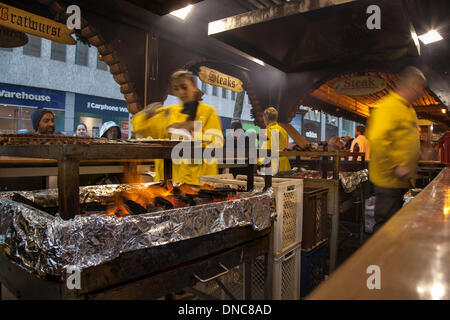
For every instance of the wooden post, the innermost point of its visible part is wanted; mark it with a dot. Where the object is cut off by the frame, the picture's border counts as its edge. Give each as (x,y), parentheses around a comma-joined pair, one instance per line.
(267,182)
(251,177)
(336,168)
(68,188)
(167,169)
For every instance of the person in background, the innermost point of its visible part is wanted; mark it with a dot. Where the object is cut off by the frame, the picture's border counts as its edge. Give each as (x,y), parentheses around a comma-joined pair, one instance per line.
(157,122)
(360,143)
(395,146)
(81,130)
(270,117)
(236,126)
(348,142)
(110,130)
(335,144)
(43,121)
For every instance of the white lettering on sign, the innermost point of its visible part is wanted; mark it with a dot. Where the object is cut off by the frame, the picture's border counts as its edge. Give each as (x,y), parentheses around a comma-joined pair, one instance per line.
(73,278)
(74,21)
(92,105)
(374,20)
(311,134)
(374,281)
(24,96)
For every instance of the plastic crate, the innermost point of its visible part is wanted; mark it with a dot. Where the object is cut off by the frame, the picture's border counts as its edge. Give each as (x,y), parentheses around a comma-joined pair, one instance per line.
(315,219)
(287,203)
(285,278)
(314,268)
(286,275)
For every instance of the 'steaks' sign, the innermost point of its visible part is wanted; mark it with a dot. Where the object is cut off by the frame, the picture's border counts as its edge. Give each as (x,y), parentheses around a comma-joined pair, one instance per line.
(359,86)
(24,21)
(216,78)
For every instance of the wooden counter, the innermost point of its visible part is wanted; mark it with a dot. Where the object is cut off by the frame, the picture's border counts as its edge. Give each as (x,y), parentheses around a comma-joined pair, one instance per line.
(412,251)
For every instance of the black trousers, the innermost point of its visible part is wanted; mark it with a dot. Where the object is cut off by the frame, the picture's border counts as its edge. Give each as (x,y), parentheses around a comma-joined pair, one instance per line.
(387,202)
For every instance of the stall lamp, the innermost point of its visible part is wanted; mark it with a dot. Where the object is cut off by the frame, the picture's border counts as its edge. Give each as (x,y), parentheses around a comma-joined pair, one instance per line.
(216,27)
(259,61)
(182,13)
(430,37)
(444,110)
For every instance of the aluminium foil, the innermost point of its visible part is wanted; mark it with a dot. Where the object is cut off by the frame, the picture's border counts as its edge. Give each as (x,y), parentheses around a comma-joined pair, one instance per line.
(47,245)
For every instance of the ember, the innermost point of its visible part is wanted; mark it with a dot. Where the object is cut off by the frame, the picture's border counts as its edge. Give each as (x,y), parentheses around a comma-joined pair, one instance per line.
(166,196)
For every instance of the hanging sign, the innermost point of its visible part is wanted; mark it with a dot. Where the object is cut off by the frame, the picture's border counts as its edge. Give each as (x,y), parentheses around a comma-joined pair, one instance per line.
(216,78)
(12,39)
(27,22)
(359,86)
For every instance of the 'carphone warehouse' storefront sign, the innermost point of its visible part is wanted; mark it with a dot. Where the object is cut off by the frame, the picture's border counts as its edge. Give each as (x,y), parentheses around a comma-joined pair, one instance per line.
(33,97)
(90,104)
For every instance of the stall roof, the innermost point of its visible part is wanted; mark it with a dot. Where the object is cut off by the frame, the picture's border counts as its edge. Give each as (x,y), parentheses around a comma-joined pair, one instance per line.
(361,104)
(332,36)
(302,35)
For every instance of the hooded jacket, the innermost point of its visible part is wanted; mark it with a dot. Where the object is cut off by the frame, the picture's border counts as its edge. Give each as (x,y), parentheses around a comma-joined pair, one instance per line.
(156,127)
(394,140)
(108,125)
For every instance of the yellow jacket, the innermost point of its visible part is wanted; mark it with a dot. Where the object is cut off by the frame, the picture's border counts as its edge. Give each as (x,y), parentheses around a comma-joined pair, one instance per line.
(393,135)
(283,143)
(155,127)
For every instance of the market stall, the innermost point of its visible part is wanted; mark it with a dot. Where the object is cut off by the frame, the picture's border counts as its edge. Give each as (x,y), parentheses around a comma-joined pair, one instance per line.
(151,250)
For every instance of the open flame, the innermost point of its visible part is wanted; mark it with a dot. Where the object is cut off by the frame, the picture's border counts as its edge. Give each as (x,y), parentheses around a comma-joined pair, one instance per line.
(164,195)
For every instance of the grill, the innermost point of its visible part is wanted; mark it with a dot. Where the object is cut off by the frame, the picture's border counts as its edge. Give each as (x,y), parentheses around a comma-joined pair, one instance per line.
(139,255)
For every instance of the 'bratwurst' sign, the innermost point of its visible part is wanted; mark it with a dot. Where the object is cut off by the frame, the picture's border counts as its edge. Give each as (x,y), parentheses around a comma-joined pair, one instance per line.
(24,21)
(359,86)
(216,78)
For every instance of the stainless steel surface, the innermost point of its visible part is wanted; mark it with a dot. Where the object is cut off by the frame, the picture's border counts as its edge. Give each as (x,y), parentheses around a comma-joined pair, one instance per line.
(412,251)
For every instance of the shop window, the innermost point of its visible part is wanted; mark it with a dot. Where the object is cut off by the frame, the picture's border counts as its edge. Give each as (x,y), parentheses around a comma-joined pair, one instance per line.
(101,64)
(8,119)
(233,95)
(214,91)
(6,49)
(347,128)
(204,88)
(313,115)
(58,51)
(33,47)
(224,93)
(82,54)
(332,120)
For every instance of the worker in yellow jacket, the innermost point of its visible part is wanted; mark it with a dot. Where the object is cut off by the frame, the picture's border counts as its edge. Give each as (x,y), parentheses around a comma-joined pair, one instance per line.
(270,117)
(157,122)
(394,142)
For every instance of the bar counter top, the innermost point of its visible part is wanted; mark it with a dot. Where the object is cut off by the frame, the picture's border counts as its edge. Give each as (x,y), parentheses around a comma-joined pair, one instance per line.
(412,251)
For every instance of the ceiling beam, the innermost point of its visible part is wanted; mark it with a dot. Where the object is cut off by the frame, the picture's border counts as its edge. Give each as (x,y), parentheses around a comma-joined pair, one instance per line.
(276,12)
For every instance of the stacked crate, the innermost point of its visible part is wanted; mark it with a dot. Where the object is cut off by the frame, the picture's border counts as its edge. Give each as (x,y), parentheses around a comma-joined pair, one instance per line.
(315,239)
(285,247)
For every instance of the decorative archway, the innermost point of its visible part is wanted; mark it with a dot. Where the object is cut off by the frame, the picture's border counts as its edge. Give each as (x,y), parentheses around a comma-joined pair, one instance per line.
(108,54)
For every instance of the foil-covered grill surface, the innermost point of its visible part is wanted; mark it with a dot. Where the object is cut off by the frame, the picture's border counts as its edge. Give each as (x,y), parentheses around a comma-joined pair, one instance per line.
(349,180)
(47,245)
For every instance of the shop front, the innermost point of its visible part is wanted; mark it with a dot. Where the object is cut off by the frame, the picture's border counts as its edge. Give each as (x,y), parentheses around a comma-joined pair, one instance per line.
(94,111)
(311,130)
(18,102)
